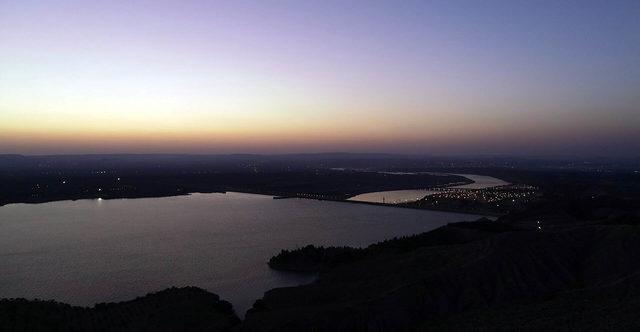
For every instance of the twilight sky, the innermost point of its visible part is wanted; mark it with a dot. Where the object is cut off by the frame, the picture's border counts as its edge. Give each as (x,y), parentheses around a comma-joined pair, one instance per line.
(518,77)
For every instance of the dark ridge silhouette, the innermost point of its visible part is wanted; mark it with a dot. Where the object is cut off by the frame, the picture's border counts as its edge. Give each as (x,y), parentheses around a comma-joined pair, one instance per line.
(316,259)
(484,275)
(174,309)
(470,276)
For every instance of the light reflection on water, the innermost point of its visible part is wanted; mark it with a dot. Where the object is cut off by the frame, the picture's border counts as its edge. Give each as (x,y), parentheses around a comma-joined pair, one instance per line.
(88,251)
(403,196)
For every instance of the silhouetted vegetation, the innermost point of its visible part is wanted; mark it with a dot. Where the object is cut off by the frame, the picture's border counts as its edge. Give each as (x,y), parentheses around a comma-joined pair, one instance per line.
(174,309)
(313,259)
(316,259)
(490,275)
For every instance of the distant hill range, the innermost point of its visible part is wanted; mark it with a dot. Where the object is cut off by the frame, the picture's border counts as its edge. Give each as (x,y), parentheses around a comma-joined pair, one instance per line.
(321,160)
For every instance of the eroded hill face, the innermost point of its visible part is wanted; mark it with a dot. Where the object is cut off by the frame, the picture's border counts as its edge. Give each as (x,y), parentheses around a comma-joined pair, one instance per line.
(576,277)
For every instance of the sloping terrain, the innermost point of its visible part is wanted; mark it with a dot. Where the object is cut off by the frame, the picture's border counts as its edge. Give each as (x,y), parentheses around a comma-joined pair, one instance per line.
(464,276)
(579,277)
(174,309)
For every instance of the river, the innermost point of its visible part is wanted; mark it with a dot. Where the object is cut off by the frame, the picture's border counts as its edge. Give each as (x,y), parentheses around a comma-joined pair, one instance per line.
(403,196)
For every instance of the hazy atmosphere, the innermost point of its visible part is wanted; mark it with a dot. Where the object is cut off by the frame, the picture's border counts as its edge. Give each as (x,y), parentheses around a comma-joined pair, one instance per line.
(517,77)
(327,166)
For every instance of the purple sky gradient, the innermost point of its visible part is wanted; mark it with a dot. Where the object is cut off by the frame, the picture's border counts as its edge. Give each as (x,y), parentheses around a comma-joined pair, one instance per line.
(543,77)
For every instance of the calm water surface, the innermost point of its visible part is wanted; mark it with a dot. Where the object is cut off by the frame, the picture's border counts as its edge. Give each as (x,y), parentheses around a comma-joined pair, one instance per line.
(393,196)
(481,182)
(403,196)
(89,251)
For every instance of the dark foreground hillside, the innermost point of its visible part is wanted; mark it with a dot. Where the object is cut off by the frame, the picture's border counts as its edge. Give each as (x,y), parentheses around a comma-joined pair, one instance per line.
(484,275)
(583,277)
(174,309)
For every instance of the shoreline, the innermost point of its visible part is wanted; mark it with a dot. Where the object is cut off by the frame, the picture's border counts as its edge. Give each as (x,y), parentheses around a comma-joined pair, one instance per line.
(443,209)
(278,196)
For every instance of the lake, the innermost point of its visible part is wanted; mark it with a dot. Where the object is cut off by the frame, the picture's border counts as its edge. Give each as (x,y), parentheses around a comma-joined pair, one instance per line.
(88,251)
(404,196)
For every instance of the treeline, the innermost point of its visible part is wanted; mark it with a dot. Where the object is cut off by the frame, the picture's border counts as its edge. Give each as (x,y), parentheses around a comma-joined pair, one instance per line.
(313,259)
(316,259)
(173,309)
